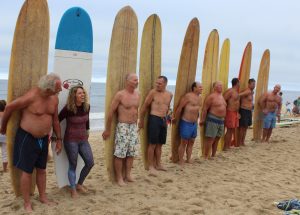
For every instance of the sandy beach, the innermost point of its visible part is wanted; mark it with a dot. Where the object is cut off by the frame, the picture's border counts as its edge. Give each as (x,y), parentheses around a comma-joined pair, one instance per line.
(244,180)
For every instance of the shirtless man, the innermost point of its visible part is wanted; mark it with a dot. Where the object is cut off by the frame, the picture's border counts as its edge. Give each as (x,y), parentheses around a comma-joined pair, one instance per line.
(190,103)
(246,106)
(38,116)
(213,114)
(270,104)
(125,103)
(232,99)
(159,101)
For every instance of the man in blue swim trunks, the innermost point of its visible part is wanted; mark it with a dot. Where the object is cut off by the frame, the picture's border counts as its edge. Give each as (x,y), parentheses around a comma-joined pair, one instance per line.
(39,115)
(271,105)
(213,115)
(188,111)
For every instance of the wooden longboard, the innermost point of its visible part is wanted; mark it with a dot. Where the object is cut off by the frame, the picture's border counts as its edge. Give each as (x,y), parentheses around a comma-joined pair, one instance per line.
(261,88)
(150,69)
(223,75)
(73,63)
(209,73)
(245,67)
(28,63)
(185,76)
(122,60)
(244,75)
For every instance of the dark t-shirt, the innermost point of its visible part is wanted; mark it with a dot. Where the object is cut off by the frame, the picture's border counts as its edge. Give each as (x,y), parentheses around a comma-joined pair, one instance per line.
(77,124)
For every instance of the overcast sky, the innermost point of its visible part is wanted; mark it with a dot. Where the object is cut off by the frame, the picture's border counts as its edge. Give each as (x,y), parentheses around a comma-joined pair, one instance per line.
(268,24)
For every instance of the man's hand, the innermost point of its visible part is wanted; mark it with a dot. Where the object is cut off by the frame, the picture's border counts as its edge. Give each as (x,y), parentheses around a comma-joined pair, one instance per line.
(58,146)
(105,134)
(265,111)
(201,123)
(141,124)
(3,130)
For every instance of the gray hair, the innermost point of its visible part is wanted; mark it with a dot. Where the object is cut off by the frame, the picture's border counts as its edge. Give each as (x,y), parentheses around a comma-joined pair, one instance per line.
(48,82)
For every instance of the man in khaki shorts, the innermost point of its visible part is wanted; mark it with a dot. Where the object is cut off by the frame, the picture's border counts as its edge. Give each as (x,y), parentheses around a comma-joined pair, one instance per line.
(213,114)
(125,103)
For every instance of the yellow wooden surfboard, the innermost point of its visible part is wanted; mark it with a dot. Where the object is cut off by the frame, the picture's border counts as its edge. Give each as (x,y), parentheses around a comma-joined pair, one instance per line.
(209,72)
(121,61)
(245,67)
(28,62)
(150,69)
(244,76)
(185,76)
(223,75)
(261,88)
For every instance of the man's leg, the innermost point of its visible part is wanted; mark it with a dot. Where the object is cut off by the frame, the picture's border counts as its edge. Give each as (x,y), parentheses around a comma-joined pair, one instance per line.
(41,185)
(228,138)
(208,141)
(269,133)
(181,150)
(189,150)
(215,146)
(129,163)
(118,170)
(157,152)
(151,149)
(265,134)
(25,189)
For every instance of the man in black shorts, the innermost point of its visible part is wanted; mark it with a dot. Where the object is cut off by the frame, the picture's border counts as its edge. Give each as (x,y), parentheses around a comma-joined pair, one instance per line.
(159,101)
(246,106)
(39,115)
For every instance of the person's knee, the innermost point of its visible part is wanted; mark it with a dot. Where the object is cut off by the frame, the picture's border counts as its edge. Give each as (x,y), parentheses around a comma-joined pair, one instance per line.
(90,164)
(40,171)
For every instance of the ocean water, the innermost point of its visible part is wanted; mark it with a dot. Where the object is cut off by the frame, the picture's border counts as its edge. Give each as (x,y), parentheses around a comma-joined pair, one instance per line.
(97,101)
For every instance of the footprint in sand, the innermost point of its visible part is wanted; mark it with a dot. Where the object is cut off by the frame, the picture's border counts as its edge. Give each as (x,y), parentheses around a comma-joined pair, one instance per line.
(168,180)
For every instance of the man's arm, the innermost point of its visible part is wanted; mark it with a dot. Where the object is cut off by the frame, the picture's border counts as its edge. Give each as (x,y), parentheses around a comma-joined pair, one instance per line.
(17,104)
(56,129)
(182,103)
(227,94)
(262,102)
(144,107)
(206,106)
(245,93)
(114,105)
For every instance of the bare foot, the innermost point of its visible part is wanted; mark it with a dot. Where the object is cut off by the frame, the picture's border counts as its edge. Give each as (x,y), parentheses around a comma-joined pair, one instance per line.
(161,168)
(190,161)
(152,171)
(130,179)
(81,188)
(74,194)
(28,207)
(181,162)
(48,202)
(121,183)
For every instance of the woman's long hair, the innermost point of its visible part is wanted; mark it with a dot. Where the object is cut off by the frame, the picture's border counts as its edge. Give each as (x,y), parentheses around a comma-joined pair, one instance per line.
(71,102)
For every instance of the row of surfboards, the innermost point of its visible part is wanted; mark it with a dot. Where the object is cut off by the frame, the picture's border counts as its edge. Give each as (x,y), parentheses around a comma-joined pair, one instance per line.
(73,62)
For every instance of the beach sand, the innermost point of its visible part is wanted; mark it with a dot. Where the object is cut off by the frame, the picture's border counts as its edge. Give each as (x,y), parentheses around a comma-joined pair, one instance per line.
(245,180)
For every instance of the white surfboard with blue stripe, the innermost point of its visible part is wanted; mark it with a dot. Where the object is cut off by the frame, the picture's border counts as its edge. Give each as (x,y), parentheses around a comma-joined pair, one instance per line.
(73,63)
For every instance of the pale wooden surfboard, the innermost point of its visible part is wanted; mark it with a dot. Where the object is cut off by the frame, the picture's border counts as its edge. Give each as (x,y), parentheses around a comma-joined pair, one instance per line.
(244,76)
(209,73)
(150,69)
(185,76)
(245,67)
(223,75)
(261,88)
(28,62)
(122,60)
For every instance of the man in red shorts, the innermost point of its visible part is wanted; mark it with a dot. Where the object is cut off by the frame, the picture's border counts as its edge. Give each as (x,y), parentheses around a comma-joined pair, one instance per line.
(232,99)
